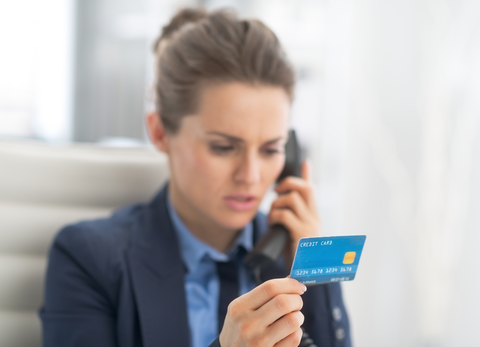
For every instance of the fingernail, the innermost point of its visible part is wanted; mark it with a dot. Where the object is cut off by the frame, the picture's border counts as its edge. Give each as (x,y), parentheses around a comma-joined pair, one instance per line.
(304,288)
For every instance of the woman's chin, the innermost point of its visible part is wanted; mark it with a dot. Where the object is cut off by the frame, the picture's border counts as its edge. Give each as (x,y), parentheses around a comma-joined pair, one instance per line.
(237,220)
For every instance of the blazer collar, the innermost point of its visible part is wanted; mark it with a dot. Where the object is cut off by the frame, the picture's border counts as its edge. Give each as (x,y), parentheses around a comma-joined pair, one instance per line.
(155,239)
(157,274)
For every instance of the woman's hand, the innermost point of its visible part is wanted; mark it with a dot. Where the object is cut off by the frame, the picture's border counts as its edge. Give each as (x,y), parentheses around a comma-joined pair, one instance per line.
(295,209)
(267,316)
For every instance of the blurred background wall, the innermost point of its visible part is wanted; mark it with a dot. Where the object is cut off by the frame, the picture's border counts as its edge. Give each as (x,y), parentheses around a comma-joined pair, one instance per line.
(387,107)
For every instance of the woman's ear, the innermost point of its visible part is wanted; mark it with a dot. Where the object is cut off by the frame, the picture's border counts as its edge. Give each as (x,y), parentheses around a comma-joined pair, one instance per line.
(156,132)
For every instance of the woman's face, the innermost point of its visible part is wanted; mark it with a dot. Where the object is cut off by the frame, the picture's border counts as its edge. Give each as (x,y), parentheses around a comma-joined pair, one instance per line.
(224,158)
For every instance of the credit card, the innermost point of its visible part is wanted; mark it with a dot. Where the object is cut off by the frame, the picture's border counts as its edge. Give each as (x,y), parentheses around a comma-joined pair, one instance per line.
(327,259)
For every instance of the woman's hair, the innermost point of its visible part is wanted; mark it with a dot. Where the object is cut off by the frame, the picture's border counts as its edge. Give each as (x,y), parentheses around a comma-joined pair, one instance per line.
(198,48)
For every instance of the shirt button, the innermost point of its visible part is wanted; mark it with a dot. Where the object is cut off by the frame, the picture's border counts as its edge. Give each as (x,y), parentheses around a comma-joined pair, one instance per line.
(337,313)
(340,334)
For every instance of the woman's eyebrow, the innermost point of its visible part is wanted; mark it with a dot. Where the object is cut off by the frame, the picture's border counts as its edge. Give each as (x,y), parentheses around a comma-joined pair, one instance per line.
(230,137)
(238,139)
(273,141)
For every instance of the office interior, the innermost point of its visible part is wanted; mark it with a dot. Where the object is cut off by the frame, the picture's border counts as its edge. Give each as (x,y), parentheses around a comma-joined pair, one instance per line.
(387,108)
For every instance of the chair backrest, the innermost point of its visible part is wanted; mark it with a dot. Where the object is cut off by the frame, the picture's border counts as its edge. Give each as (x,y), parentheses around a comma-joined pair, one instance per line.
(42,188)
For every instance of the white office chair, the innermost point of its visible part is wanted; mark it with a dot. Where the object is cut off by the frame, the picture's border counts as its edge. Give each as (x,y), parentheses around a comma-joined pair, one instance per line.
(42,188)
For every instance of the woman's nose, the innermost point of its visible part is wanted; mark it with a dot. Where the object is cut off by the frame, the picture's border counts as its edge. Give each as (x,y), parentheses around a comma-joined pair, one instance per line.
(248,170)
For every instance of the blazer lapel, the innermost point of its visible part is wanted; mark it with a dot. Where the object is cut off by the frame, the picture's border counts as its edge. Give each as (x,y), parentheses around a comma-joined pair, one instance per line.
(157,274)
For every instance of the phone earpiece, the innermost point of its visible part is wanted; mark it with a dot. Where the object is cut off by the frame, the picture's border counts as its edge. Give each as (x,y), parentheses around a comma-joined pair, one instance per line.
(293,162)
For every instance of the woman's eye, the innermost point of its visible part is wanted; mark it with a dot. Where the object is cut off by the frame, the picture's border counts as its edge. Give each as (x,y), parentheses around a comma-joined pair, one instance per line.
(271,151)
(222,149)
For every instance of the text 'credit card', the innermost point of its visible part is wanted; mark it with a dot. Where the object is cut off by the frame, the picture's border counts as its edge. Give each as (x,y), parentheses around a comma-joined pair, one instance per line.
(327,259)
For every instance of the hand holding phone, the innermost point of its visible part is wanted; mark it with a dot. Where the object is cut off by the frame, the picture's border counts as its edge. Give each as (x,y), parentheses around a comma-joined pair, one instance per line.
(295,209)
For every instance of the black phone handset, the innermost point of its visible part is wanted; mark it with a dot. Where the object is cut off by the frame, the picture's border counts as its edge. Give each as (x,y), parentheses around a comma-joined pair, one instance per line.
(270,247)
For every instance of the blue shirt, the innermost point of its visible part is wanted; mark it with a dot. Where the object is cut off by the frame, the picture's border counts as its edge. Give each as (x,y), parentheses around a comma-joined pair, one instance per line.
(202,285)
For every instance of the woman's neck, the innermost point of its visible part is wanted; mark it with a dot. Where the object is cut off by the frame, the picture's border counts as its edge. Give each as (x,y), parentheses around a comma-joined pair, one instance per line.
(200,225)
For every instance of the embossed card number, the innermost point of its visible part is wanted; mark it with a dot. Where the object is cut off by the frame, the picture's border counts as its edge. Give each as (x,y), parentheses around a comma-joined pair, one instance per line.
(327,259)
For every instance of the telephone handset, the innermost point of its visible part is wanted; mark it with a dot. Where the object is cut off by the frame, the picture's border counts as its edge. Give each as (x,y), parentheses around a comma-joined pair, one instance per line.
(270,247)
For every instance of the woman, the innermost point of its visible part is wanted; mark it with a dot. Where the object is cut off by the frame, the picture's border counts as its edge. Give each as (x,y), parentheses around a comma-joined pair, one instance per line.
(160,274)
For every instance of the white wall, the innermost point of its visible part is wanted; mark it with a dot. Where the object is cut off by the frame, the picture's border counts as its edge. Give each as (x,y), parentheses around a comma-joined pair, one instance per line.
(412,168)
(36,56)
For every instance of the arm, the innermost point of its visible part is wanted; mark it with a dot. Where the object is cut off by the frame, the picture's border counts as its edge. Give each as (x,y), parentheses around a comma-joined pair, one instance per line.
(76,311)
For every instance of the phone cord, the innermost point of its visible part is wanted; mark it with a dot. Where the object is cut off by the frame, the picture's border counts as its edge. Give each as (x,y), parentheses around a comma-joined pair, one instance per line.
(306,341)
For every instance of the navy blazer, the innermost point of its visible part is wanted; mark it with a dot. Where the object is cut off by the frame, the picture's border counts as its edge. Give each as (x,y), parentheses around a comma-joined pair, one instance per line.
(119,282)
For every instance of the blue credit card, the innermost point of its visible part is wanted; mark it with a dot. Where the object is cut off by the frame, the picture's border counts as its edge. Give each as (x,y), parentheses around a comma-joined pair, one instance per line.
(327,259)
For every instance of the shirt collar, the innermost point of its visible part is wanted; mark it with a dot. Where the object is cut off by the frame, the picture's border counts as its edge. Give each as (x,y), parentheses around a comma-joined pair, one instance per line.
(193,250)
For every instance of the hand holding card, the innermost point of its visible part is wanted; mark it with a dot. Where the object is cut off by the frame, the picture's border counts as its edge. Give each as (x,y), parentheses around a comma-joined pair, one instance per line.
(327,259)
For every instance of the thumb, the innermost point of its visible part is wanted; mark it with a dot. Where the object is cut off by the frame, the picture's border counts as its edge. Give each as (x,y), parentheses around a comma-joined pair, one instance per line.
(306,170)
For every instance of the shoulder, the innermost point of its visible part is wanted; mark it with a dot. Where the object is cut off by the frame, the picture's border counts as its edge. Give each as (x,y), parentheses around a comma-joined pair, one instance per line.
(97,246)
(110,231)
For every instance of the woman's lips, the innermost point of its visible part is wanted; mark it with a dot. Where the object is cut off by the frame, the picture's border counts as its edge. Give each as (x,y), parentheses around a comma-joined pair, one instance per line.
(240,202)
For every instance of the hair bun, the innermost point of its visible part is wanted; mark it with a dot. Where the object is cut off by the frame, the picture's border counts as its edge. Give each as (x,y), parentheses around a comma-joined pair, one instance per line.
(185,16)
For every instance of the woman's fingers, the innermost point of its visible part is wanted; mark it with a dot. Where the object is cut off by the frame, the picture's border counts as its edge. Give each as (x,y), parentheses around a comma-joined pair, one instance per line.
(286,218)
(265,315)
(285,326)
(279,306)
(268,290)
(307,170)
(292,340)
(293,201)
(300,185)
